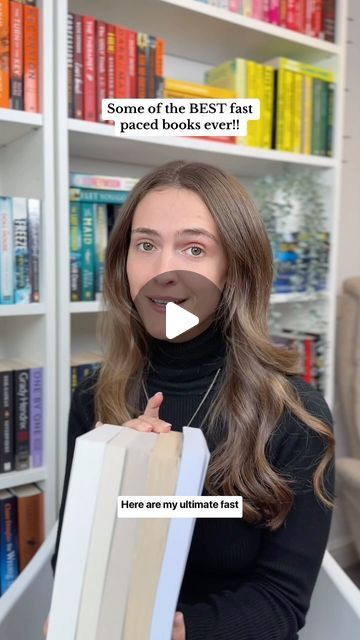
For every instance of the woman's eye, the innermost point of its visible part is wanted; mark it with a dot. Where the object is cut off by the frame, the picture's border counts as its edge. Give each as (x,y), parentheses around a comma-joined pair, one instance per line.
(196,251)
(145,246)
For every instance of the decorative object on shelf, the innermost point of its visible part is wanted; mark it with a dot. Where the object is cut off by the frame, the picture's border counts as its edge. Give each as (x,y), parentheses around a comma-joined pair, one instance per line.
(293,207)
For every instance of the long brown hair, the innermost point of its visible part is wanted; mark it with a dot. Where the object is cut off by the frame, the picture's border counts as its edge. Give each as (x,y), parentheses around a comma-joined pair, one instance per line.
(254,390)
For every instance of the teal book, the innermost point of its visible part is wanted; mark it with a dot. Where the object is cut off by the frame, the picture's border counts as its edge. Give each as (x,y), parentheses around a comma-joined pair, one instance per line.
(88,218)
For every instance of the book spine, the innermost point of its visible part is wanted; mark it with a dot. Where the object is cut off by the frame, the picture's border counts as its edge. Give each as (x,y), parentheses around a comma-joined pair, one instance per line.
(132,62)
(275,12)
(307,114)
(78,68)
(16,55)
(36,416)
(297,112)
(268,100)
(316,120)
(101,240)
(324,118)
(74,378)
(280,108)
(34,217)
(283,13)
(101,66)
(110,60)
(316,18)
(9,552)
(6,252)
(159,68)
(31,59)
(121,64)
(89,82)
(98,196)
(21,252)
(6,422)
(329,9)
(88,251)
(21,418)
(75,252)
(142,48)
(30,517)
(4,54)
(101,182)
(257,9)
(150,68)
(330,119)
(70,64)
(288,110)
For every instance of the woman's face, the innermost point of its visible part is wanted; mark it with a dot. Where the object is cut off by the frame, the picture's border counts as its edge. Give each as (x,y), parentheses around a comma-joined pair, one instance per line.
(175,253)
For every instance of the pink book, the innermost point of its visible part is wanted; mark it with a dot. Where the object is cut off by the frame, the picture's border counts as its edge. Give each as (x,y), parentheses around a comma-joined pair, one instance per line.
(275,11)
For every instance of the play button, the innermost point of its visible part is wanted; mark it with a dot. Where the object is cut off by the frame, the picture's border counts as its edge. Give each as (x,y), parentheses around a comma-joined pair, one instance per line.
(174,305)
(178,320)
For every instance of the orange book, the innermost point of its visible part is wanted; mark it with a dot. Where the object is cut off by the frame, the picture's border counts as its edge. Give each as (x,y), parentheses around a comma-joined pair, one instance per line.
(31,59)
(159,68)
(16,55)
(30,521)
(4,54)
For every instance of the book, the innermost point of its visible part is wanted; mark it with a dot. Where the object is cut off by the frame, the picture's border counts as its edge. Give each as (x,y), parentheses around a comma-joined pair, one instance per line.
(30,521)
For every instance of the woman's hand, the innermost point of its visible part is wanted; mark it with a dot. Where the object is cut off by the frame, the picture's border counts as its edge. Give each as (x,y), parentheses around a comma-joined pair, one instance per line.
(178,632)
(149,420)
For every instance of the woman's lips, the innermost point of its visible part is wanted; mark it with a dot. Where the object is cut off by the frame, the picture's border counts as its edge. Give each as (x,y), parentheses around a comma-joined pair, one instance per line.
(159,304)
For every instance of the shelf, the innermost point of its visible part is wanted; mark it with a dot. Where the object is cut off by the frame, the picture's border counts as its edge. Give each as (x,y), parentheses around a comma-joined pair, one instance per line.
(98,141)
(95,305)
(16,124)
(33,309)
(16,478)
(213,35)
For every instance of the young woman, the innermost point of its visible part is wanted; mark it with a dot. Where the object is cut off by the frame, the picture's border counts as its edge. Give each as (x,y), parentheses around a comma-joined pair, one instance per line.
(269,432)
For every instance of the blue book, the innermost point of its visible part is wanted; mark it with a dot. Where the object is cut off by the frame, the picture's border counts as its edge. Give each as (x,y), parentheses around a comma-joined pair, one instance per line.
(9,548)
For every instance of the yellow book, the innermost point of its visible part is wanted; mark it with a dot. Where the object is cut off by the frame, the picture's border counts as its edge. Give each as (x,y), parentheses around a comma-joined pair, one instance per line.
(307,107)
(253,128)
(192,89)
(297,80)
(288,113)
(267,107)
(302,67)
(231,75)
(186,94)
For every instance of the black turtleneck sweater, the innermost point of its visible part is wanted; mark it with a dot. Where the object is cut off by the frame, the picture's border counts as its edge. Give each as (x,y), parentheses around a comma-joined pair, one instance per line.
(241,582)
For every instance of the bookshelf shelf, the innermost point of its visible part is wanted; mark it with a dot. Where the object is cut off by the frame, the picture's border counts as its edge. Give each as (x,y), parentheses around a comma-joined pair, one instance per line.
(16,124)
(35,309)
(98,141)
(212,34)
(16,478)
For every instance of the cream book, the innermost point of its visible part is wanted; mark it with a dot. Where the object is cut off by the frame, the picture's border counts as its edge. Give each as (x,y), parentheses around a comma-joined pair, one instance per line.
(83,494)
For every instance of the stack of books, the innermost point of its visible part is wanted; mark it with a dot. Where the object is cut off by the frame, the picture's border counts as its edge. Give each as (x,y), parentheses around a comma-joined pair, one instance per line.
(121,577)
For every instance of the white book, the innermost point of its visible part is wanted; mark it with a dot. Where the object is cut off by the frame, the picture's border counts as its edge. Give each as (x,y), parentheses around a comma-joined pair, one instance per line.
(193,467)
(82,496)
(124,541)
(102,532)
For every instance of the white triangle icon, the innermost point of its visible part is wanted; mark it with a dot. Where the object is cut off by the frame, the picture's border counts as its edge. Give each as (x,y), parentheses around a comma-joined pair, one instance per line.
(178,320)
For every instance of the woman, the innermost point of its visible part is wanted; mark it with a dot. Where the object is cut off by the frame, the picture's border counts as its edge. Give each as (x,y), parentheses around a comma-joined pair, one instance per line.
(269,432)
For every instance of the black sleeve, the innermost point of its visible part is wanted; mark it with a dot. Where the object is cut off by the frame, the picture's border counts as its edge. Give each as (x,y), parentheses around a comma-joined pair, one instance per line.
(273,602)
(81,420)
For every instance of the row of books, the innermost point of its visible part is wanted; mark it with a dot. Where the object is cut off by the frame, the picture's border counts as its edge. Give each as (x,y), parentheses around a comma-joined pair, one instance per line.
(83,365)
(19,250)
(114,567)
(296,267)
(296,102)
(311,347)
(315,18)
(93,212)
(19,55)
(21,530)
(109,61)
(21,415)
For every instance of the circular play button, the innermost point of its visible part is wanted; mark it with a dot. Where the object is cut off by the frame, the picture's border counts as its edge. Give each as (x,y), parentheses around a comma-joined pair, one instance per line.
(177,305)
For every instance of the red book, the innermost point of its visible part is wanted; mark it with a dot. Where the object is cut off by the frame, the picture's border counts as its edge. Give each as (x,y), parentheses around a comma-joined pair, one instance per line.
(110,60)
(296,15)
(122,89)
(316,18)
(16,55)
(31,59)
(329,9)
(89,68)
(78,68)
(283,13)
(101,83)
(159,68)
(132,62)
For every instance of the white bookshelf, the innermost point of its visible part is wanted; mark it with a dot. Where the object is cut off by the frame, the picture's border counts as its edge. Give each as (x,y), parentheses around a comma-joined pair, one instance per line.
(197,36)
(28,331)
